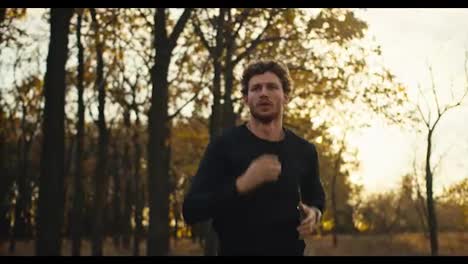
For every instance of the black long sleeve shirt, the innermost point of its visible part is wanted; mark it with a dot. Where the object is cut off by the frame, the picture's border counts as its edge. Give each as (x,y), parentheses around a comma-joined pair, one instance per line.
(264,221)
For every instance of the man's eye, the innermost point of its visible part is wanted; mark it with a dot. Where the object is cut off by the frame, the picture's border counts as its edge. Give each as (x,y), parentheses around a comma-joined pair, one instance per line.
(272,86)
(255,88)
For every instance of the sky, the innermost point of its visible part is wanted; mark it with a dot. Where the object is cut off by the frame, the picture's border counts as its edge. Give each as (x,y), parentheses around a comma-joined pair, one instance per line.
(411,40)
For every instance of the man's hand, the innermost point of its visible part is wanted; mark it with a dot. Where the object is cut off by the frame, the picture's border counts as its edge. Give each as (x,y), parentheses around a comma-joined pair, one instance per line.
(311,220)
(265,168)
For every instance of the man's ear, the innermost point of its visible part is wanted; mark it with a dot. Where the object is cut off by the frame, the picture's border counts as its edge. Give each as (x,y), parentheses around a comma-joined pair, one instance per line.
(286,99)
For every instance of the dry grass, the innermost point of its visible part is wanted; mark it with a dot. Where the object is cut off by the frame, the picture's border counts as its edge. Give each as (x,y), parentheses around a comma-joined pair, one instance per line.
(414,244)
(178,248)
(407,244)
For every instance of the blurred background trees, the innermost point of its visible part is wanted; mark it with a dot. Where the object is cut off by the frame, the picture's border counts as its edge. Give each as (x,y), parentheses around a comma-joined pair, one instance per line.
(144,90)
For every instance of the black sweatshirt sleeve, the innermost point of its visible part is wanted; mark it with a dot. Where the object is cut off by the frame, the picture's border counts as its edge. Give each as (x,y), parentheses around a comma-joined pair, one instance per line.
(312,189)
(211,190)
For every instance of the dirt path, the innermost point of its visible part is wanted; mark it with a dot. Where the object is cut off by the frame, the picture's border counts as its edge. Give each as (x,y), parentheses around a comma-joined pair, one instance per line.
(359,245)
(183,247)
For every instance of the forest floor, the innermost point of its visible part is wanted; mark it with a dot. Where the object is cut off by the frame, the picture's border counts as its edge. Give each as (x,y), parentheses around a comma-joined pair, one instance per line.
(408,244)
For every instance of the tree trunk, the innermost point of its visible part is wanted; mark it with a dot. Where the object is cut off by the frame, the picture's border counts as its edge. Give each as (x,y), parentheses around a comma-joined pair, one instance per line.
(432,219)
(78,197)
(127,214)
(101,167)
(138,219)
(51,179)
(2,15)
(19,224)
(158,161)
(334,211)
(216,110)
(67,184)
(229,119)
(4,180)
(333,195)
(28,190)
(216,122)
(139,199)
(159,131)
(129,189)
(117,215)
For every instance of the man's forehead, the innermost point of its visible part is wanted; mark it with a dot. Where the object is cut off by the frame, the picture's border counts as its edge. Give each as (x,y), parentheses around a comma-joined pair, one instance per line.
(265,78)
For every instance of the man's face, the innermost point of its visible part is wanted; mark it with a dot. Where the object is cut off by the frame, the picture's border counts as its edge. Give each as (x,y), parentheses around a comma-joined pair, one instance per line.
(265,97)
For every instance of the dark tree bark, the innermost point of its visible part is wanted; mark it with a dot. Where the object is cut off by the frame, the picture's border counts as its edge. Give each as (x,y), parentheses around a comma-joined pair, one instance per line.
(159,131)
(139,198)
(78,197)
(51,181)
(101,176)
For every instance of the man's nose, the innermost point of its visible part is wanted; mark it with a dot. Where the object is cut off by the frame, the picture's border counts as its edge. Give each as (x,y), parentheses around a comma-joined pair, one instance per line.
(264,90)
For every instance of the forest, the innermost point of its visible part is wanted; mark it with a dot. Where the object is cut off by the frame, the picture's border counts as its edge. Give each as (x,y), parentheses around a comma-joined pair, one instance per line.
(105,114)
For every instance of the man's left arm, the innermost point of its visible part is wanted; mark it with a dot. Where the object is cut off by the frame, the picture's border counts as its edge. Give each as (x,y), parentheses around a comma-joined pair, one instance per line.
(313,194)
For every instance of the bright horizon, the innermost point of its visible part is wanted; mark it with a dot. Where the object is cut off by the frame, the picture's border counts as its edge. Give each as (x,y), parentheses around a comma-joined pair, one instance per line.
(412,39)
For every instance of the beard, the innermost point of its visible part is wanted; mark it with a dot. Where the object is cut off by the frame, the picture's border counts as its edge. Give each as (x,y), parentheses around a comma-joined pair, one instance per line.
(265,118)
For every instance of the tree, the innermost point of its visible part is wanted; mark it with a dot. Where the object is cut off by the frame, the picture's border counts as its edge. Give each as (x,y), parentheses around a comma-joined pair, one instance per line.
(101,167)
(6,179)
(52,164)
(29,100)
(430,126)
(381,212)
(78,200)
(158,155)
(454,207)
(8,31)
(22,91)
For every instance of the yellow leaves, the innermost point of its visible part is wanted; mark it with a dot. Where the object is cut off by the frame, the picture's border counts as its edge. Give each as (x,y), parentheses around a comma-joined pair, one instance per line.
(328,225)
(322,85)
(145,217)
(132,219)
(319,140)
(179,233)
(362,226)
(17,13)
(458,193)
(119,55)
(290,17)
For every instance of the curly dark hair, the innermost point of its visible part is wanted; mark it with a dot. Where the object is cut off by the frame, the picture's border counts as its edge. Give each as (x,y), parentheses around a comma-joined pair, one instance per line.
(262,66)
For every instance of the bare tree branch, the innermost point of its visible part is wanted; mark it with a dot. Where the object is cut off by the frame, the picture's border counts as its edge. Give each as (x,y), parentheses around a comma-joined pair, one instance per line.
(88,106)
(419,203)
(434,90)
(179,72)
(194,96)
(428,120)
(441,156)
(212,20)
(258,40)
(145,18)
(455,104)
(240,20)
(199,32)
(179,27)
(184,105)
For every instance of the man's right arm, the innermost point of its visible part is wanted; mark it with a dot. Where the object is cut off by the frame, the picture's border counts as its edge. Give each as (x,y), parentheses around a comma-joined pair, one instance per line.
(210,191)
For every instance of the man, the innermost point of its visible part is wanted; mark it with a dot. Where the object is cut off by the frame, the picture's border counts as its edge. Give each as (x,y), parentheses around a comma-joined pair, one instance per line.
(254,177)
